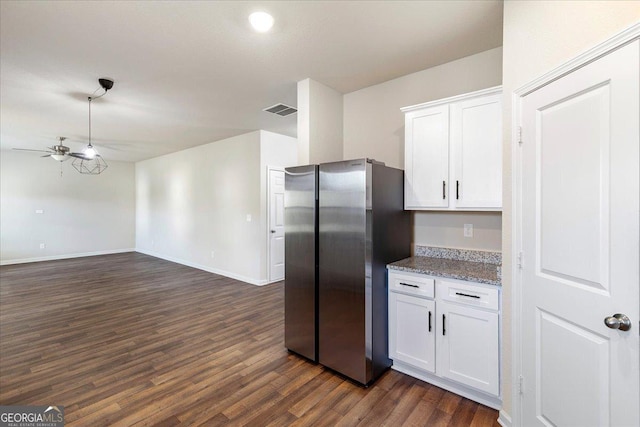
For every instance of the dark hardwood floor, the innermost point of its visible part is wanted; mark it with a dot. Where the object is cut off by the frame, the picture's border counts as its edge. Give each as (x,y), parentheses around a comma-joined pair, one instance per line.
(128,339)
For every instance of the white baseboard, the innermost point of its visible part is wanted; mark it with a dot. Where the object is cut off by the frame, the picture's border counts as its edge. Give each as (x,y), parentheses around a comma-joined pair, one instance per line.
(205,268)
(63,256)
(452,386)
(504,419)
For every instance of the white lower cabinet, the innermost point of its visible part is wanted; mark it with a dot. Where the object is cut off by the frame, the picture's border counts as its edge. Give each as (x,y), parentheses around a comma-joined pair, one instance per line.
(468,347)
(412,338)
(446,332)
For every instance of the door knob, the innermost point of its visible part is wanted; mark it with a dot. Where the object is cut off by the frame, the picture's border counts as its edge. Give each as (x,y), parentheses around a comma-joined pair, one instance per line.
(273,231)
(618,321)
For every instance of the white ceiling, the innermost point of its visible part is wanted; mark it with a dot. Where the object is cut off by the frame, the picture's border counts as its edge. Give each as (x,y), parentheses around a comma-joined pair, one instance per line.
(191,72)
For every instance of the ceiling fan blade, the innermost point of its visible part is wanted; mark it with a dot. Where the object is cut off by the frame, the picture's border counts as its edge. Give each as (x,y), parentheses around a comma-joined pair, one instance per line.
(79,156)
(28,149)
(48,155)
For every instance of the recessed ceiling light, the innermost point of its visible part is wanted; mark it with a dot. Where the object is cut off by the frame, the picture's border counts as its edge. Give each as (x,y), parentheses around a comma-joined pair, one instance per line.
(261,21)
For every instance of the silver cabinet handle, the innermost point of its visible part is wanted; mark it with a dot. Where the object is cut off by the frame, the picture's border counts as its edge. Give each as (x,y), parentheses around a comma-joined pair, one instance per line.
(618,321)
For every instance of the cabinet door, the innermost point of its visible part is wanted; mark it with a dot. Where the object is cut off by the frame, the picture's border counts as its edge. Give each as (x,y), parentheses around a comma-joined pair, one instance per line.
(427,158)
(412,329)
(476,150)
(468,346)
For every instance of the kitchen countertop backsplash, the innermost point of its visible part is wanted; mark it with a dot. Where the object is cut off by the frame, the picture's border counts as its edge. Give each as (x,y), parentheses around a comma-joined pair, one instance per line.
(462,264)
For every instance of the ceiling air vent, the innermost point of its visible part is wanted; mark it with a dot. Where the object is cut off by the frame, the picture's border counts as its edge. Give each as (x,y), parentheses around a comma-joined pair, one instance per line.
(281,110)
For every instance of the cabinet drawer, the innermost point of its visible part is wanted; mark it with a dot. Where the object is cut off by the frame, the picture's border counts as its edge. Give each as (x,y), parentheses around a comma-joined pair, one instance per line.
(412,284)
(469,294)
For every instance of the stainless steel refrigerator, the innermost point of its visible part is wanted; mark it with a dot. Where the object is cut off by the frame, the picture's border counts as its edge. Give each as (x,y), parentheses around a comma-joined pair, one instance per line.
(344,222)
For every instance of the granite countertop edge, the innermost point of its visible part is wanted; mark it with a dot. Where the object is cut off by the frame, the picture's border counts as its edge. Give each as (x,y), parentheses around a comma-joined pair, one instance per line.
(451,269)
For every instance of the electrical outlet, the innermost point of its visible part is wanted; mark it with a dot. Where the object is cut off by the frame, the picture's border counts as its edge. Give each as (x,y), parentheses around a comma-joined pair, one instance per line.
(42,246)
(248,217)
(213,254)
(468,230)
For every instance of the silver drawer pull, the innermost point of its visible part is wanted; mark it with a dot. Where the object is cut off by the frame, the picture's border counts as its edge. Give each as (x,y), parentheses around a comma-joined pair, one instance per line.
(467,295)
(408,284)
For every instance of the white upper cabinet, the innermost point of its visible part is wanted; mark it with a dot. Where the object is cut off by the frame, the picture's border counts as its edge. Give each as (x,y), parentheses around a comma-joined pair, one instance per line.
(427,164)
(453,153)
(476,151)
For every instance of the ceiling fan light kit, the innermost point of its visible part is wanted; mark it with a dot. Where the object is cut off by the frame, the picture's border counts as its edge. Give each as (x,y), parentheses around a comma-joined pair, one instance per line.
(58,152)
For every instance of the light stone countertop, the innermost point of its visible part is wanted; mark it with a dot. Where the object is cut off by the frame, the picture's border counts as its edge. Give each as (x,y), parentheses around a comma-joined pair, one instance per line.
(473,271)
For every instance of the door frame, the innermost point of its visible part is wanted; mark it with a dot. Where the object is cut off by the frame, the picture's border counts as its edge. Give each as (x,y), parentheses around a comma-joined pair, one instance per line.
(623,38)
(268,227)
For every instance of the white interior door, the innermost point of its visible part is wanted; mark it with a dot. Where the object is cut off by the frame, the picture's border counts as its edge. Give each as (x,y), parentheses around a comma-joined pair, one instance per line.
(276,224)
(580,238)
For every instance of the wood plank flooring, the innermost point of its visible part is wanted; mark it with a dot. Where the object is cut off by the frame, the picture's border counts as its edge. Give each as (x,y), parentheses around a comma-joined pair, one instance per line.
(132,340)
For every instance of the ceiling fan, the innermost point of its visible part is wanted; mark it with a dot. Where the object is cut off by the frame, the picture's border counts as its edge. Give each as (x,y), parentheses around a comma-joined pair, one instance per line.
(59,152)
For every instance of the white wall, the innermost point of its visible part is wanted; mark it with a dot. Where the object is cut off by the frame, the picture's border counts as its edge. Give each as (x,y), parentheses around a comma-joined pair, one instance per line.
(320,123)
(445,229)
(304,111)
(196,201)
(83,214)
(374,127)
(539,36)
(373,122)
